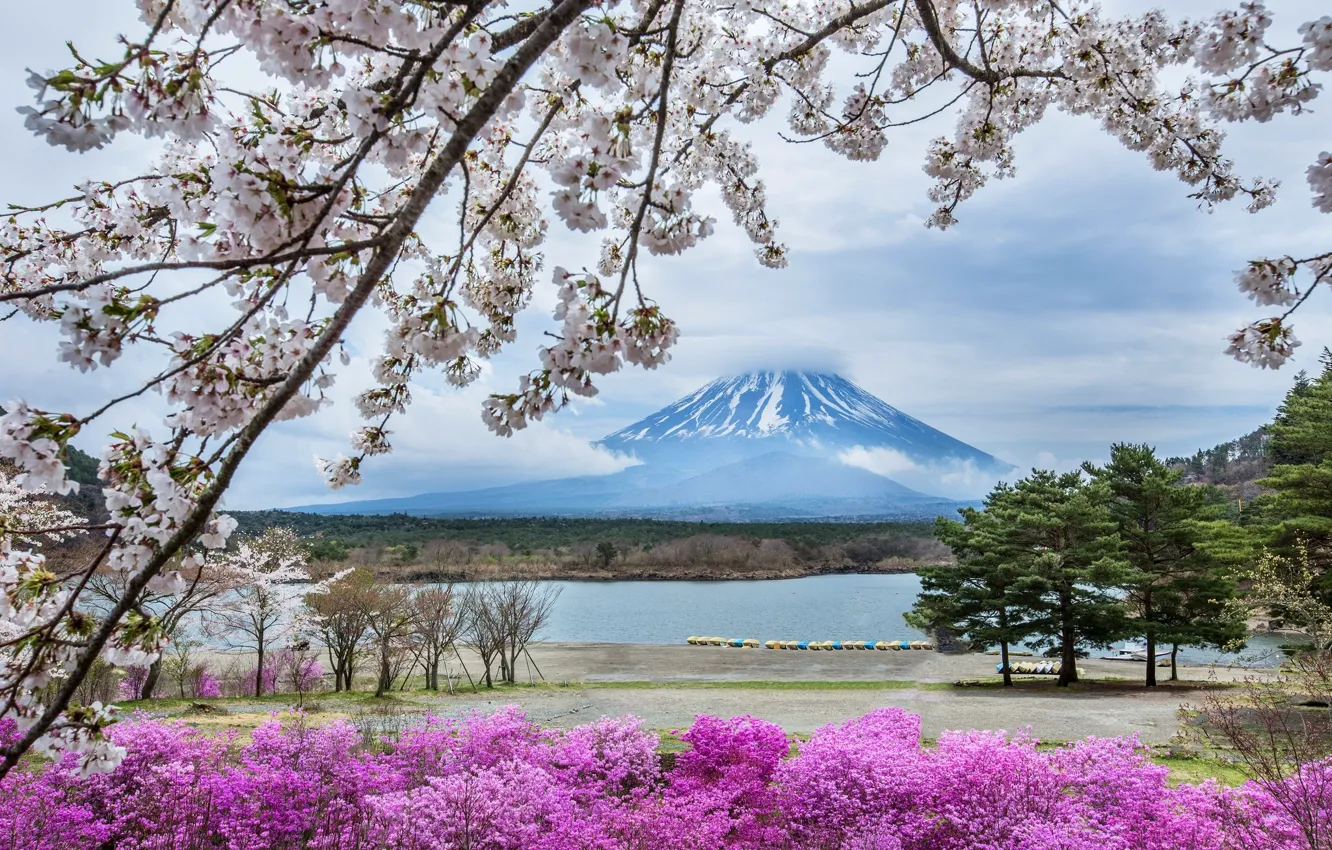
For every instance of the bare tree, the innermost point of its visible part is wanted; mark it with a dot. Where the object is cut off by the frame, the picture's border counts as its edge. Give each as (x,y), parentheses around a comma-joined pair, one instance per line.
(390,617)
(502,618)
(1280,727)
(1281,730)
(525,609)
(299,672)
(206,581)
(438,627)
(339,621)
(483,630)
(181,667)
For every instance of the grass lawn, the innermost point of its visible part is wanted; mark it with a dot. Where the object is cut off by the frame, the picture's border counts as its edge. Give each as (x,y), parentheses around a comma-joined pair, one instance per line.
(1189,770)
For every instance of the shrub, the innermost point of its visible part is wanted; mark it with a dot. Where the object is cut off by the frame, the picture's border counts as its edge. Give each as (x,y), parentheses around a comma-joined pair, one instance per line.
(503,783)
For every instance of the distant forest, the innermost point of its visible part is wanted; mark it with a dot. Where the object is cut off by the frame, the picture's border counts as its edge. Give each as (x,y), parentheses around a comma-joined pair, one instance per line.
(412,547)
(1236,465)
(1239,465)
(526,534)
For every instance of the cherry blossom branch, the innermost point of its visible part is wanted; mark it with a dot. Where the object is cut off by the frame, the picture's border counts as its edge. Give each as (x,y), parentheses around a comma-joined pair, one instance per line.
(635,229)
(396,234)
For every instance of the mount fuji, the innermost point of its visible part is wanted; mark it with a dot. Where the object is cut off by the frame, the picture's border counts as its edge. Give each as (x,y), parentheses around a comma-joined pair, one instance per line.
(763,445)
(804,414)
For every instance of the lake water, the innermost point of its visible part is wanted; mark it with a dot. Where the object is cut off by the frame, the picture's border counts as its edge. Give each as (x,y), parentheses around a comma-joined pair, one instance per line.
(833,607)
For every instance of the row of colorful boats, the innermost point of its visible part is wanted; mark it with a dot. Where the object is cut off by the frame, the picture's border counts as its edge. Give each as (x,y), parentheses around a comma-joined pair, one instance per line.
(754,643)
(1047,668)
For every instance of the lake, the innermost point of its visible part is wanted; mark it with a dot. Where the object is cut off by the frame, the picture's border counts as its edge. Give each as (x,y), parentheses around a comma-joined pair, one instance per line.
(830,607)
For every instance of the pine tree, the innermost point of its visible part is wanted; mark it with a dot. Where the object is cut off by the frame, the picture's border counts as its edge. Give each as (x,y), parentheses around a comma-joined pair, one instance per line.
(1301,507)
(1302,428)
(1162,528)
(1062,526)
(1280,452)
(987,595)
(1199,610)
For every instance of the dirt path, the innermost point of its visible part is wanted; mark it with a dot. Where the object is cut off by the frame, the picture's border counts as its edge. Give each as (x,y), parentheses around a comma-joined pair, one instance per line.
(1051,717)
(587,675)
(604,662)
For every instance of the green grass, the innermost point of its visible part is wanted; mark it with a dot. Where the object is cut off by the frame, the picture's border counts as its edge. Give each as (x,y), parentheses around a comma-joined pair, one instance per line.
(767,685)
(1193,771)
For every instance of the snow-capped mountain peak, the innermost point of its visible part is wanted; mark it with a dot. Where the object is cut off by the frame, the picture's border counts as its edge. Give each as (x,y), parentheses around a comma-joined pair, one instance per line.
(808,413)
(770,404)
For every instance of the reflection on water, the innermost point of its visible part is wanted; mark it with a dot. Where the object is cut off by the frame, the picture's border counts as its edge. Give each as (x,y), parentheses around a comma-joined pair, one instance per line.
(837,607)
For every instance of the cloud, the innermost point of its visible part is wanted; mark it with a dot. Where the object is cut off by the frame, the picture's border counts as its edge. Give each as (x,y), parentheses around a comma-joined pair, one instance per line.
(954,479)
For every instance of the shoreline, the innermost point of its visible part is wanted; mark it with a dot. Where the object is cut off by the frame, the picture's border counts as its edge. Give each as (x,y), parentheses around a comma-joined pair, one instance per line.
(635,664)
(414,574)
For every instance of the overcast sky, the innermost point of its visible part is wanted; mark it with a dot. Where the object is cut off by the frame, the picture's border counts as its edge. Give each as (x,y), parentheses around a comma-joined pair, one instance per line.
(1085,301)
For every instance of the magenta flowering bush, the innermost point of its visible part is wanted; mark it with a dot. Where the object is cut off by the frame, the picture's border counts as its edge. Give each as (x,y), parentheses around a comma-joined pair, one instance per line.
(131,686)
(245,686)
(208,686)
(501,782)
(284,671)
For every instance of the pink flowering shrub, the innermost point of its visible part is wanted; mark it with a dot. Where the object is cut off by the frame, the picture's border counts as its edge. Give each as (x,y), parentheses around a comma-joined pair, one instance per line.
(207,686)
(131,686)
(245,687)
(503,783)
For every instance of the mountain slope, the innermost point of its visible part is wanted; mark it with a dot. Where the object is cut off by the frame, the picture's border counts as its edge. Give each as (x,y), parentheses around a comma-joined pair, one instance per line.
(804,413)
(1237,463)
(775,477)
(761,445)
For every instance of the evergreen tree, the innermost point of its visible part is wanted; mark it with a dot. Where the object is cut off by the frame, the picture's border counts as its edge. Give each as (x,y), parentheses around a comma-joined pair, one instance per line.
(986,596)
(1061,524)
(1199,610)
(1161,528)
(1300,509)
(1306,402)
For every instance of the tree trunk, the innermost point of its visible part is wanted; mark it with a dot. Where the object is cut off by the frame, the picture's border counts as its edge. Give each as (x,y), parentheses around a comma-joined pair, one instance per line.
(1151,640)
(150,682)
(259,671)
(1003,659)
(385,679)
(1174,671)
(1068,662)
(1068,657)
(336,664)
(1151,658)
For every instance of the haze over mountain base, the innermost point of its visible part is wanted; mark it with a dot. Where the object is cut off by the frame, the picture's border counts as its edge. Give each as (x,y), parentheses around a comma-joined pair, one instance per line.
(760,446)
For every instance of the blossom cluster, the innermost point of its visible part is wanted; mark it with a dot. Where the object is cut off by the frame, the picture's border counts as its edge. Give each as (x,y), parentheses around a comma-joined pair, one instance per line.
(503,783)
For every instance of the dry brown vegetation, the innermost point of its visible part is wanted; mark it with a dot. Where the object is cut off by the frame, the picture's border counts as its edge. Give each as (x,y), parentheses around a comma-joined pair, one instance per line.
(702,556)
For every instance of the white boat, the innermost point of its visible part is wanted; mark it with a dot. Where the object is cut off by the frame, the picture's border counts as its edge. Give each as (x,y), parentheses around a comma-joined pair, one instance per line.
(1130,651)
